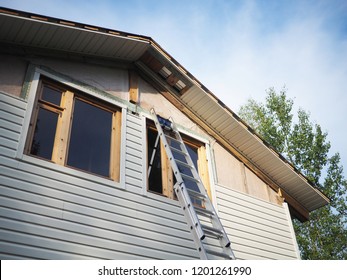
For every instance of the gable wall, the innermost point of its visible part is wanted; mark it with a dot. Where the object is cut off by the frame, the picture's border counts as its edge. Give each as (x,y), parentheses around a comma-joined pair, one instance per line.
(53,212)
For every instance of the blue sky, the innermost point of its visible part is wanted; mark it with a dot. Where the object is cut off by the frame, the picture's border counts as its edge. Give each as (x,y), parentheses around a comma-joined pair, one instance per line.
(239,48)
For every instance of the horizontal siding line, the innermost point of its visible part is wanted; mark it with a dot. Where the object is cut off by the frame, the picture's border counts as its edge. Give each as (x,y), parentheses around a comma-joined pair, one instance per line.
(118,208)
(134,138)
(132,182)
(262,250)
(63,199)
(7,153)
(112,207)
(268,255)
(11,123)
(133,188)
(134,132)
(74,220)
(256,231)
(134,173)
(131,116)
(10,256)
(53,245)
(105,229)
(136,166)
(8,143)
(234,200)
(134,123)
(98,243)
(131,151)
(275,212)
(9,108)
(261,215)
(10,127)
(249,199)
(260,239)
(134,145)
(35,252)
(8,134)
(250,256)
(133,159)
(232,218)
(13,100)
(234,206)
(68,182)
(245,256)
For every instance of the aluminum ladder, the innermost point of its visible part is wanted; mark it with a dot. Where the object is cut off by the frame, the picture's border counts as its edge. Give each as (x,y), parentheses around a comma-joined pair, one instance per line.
(208,233)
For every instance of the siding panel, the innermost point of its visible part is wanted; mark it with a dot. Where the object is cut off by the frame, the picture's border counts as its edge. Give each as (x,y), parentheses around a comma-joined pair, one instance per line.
(257,229)
(134,147)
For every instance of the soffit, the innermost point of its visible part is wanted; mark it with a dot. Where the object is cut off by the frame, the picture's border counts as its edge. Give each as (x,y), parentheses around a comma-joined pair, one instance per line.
(55,34)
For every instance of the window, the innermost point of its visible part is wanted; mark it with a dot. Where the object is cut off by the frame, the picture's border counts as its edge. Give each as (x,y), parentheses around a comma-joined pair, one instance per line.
(160,176)
(74,130)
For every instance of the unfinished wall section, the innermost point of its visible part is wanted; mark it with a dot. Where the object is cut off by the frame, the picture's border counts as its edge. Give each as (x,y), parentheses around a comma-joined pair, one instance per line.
(12,74)
(233,174)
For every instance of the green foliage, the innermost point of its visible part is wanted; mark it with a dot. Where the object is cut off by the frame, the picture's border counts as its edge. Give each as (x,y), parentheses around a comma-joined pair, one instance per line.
(306,146)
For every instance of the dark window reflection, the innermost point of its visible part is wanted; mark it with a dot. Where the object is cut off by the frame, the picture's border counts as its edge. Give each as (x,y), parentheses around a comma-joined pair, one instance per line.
(44,134)
(51,95)
(90,140)
(193,152)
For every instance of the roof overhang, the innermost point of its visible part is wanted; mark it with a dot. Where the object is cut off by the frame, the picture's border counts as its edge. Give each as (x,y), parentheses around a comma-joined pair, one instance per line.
(181,87)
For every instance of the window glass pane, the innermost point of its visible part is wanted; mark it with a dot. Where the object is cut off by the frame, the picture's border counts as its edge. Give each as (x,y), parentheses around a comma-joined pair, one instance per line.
(90,139)
(44,134)
(155,177)
(51,95)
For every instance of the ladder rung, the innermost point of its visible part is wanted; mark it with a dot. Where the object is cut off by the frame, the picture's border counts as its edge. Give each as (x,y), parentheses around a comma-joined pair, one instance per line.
(196,194)
(183,163)
(219,254)
(178,151)
(184,176)
(204,212)
(212,231)
(172,138)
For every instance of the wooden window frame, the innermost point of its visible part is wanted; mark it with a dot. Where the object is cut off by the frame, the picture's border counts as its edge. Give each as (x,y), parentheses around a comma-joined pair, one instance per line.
(64,125)
(167,174)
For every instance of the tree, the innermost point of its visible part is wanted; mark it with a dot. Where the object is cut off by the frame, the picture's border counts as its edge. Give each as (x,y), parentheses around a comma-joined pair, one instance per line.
(305,145)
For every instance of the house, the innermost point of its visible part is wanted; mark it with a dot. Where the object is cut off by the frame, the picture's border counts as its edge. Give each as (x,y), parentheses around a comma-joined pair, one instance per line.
(77,139)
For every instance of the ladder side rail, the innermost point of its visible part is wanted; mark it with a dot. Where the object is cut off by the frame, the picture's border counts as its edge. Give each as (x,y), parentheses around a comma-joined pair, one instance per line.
(208,204)
(185,198)
(155,149)
(197,240)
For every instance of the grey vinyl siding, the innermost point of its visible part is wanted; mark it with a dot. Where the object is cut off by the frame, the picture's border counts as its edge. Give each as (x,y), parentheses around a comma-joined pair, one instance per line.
(134,147)
(49,213)
(257,229)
